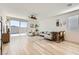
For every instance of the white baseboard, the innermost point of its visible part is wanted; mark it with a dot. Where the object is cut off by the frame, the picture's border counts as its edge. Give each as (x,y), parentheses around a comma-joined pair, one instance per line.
(72,41)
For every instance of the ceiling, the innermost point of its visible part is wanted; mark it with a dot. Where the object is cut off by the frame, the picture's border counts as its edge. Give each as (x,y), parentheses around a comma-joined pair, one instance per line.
(42,10)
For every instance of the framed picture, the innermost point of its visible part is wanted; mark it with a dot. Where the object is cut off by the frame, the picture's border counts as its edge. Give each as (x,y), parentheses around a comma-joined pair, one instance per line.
(57,23)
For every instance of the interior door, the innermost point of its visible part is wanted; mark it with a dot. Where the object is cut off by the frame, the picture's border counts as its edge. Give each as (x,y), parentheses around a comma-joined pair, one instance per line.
(0,34)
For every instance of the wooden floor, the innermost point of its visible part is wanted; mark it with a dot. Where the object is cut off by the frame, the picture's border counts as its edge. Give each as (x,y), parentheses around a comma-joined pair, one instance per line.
(23,45)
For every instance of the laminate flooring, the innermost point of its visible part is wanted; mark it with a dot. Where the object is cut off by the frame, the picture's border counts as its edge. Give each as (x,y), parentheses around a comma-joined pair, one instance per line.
(24,45)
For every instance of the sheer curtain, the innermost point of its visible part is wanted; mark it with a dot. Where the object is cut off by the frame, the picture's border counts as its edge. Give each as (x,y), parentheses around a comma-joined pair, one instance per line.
(18,26)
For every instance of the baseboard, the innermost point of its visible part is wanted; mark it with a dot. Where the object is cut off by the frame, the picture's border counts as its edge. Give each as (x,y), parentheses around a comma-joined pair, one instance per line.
(72,42)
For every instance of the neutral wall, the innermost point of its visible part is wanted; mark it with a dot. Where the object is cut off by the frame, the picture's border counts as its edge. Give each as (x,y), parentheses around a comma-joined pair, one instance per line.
(70,35)
(50,25)
(47,24)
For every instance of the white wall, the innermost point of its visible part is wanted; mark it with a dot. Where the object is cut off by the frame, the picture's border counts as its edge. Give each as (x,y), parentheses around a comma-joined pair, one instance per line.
(47,24)
(50,25)
(70,35)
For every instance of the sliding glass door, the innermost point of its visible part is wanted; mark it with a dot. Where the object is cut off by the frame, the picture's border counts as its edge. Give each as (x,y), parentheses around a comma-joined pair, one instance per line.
(18,26)
(14,25)
(22,27)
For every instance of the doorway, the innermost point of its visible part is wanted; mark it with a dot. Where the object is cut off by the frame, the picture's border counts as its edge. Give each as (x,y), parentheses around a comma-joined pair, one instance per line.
(0,35)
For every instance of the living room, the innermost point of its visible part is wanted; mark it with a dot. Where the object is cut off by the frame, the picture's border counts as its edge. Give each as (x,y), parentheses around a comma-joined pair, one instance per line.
(40,28)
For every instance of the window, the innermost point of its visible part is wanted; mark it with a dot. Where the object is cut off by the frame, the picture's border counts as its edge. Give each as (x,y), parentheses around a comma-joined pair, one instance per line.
(23,24)
(73,23)
(14,23)
(18,26)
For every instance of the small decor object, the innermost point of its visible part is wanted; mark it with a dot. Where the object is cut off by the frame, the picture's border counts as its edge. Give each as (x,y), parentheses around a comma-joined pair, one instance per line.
(57,23)
(36,30)
(33,17)
(36,25)
(32,25)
